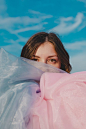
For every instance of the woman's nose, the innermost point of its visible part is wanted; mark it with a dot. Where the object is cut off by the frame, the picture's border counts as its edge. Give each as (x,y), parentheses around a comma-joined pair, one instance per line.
(43,61)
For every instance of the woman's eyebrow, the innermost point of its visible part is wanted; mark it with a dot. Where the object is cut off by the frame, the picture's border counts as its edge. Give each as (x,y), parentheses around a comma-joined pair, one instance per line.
(52,56)
(36,56)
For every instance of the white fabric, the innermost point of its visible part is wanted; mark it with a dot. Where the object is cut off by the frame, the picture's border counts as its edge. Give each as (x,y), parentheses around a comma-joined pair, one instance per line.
(19,88)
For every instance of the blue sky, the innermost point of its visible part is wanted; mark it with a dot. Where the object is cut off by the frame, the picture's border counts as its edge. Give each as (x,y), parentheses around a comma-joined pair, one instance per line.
(20,19)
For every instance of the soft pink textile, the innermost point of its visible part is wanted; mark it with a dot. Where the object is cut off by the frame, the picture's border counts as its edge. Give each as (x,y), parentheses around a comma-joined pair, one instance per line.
(62,104)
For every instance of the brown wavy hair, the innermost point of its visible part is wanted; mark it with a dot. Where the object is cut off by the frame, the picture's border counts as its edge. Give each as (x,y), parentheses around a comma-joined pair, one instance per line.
(39,38)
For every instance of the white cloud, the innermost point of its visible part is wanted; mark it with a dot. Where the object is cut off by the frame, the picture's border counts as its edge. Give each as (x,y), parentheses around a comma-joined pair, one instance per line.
(83,25)
(10,23)
(36,27)
(16,25)
(76,45)
(34,12)
(68,24)
(84,1)
(14,48)
(3,7)
(41,15)
(25,23)
(20,39)
(78,62)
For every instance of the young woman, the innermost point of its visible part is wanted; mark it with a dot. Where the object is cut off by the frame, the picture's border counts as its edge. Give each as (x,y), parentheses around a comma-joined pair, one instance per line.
(61,104)
(47,48)
(57,102)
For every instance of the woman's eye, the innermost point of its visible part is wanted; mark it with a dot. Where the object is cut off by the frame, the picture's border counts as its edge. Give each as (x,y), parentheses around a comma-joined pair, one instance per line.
(52,60)
(35,59)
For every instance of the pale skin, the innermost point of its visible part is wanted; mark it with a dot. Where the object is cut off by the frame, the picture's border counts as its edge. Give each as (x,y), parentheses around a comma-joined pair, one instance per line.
(46,54)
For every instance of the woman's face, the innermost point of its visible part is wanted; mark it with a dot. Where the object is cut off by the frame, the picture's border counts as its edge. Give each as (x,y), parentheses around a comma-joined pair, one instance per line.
(47,54)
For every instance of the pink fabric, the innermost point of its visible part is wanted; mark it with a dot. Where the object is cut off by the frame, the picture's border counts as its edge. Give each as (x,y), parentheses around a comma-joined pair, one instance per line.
(62,104)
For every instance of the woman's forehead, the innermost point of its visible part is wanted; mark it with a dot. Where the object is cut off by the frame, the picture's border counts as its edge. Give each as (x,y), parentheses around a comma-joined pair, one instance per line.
(46,48)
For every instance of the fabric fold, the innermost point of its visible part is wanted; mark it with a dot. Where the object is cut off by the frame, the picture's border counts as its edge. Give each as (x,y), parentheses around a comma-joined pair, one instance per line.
(19,89)
(62,104)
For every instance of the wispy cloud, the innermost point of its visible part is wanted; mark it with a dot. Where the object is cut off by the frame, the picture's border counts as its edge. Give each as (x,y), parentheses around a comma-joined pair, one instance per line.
(25,23)
(17,25)
(78,62)
(20,39)
(15,49)
(10,23)
(36,28)
(68,24)
(3,8)
(84,1)
(76,45)
(83,25)
(34,12)
(39,14)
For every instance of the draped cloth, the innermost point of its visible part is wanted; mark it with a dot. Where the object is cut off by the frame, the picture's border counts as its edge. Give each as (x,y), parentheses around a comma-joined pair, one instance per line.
(62,103)
(38,96)
(19,89)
